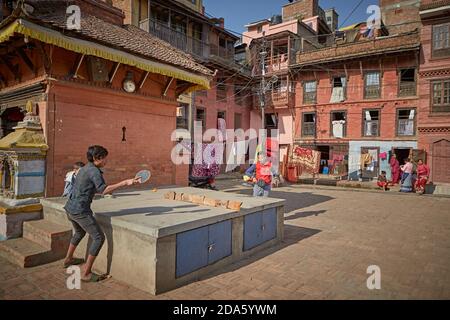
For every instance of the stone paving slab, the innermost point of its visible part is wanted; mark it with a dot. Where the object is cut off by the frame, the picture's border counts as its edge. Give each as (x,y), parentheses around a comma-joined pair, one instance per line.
(331,237)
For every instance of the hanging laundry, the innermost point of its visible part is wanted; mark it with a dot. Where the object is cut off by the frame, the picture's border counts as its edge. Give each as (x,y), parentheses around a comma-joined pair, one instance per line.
(365,160)
(337,95)
(222,127)
(338,128)
(307,159)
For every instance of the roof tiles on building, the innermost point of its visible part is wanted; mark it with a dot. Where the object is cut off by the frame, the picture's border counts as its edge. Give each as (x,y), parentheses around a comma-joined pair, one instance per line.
(123,37)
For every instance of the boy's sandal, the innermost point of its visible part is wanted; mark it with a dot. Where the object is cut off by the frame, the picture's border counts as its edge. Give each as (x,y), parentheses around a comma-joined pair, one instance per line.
(74,262)
(96,278)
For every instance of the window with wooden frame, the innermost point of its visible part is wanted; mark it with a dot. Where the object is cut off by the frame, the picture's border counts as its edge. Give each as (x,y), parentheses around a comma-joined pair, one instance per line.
(221,90)
(372,85)
(406,122)
(310,92)
(338,124)
(407,82)
(200,116)
(183,116)
(371,123)
(309,124)
(441,40)
(440,96)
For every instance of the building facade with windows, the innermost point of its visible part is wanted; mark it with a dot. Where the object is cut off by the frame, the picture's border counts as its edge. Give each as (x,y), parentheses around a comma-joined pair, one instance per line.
(357,102)
(185,25)
(434,87)
(300,27)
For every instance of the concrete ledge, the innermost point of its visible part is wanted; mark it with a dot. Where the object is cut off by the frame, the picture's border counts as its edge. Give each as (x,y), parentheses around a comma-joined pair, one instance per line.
(142,227)
(142,211)
(20,209)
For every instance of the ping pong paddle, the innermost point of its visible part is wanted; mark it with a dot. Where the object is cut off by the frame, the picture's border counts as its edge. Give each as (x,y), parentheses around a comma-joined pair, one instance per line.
(144,175)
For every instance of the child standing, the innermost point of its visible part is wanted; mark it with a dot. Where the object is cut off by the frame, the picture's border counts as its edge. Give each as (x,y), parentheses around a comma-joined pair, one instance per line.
(70,178)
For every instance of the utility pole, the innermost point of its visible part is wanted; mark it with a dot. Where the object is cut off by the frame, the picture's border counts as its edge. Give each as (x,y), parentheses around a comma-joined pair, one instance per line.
(265,86)
(263,55)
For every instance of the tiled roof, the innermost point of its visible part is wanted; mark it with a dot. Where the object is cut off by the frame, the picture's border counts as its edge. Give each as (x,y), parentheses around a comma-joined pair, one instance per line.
(126,37)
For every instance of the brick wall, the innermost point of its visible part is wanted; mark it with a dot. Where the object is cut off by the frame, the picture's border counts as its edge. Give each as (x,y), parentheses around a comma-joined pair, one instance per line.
(433,126)
(355,103)
(80,116)
(301,9)
(400,15)
(213,106)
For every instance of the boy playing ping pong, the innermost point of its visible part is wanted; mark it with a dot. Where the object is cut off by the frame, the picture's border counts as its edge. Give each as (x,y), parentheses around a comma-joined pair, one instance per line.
(78,208)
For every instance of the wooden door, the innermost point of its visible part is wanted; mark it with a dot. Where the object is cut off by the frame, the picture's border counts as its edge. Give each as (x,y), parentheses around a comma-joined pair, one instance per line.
(441,162)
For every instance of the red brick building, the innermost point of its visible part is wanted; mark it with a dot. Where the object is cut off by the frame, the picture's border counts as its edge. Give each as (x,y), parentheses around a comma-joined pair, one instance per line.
(107,83)
(434,88)
(358,97)
(184,25)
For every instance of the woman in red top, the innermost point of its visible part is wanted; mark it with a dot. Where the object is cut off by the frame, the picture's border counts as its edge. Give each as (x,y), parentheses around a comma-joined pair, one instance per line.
(395,170)
(423,172)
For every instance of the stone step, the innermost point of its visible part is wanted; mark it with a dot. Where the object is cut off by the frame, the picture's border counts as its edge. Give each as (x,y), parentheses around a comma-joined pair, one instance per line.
(50,235)
(26,253)
(55,214)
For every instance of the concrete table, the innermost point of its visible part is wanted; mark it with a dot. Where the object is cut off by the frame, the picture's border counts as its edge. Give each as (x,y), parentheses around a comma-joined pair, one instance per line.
(157,245)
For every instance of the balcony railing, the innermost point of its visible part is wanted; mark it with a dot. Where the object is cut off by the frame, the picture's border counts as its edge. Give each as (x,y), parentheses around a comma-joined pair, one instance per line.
(372,92)
(407,89)
(277,99)
(405,127)
(310,54)
(277,63)
(308,129)
(283,98)
(176,38)
(224,53)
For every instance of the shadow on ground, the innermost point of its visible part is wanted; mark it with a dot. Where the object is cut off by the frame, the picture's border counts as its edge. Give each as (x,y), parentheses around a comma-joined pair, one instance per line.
(294,200)
(299,215)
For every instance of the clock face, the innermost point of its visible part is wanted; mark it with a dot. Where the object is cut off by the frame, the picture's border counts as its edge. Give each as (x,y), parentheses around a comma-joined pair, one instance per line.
(129,86)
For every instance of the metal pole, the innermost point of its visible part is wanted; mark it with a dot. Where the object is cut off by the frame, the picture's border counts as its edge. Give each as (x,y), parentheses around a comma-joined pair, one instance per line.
(263,95)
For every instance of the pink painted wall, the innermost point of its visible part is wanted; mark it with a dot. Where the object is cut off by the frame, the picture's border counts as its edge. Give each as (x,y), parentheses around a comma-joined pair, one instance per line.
(253,33)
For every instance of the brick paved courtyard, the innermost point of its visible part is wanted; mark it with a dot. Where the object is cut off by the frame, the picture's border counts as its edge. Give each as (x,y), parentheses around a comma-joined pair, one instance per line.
(331,237)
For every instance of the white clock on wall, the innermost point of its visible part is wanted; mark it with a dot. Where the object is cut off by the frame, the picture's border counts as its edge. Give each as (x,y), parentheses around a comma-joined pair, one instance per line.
(128,84)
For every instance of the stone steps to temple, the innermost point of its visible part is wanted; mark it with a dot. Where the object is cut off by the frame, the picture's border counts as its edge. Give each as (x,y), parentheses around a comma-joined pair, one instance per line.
(43,242)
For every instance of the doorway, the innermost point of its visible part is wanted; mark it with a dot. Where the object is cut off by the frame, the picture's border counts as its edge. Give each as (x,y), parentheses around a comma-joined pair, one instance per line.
(370,163)
(324,157)
(9,119)
(402,154)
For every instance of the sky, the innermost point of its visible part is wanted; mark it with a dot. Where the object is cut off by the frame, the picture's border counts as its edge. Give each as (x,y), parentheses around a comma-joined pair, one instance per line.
(238,13)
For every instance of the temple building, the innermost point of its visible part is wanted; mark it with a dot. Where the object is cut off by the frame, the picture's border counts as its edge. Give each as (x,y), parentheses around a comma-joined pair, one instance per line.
(103,82)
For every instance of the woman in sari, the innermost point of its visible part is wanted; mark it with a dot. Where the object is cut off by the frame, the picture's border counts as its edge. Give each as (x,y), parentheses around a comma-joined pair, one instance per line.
(407,178)
(423,172)
(395,170)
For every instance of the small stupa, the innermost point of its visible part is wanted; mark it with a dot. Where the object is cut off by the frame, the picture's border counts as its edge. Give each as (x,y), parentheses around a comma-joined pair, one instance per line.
(22,174)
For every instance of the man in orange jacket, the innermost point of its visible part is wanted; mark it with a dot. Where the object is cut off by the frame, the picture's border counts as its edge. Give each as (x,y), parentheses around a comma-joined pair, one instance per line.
(263,178)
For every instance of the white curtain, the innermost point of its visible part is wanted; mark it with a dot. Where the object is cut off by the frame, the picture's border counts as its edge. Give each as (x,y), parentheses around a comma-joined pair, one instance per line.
(337,95)
(338,128)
